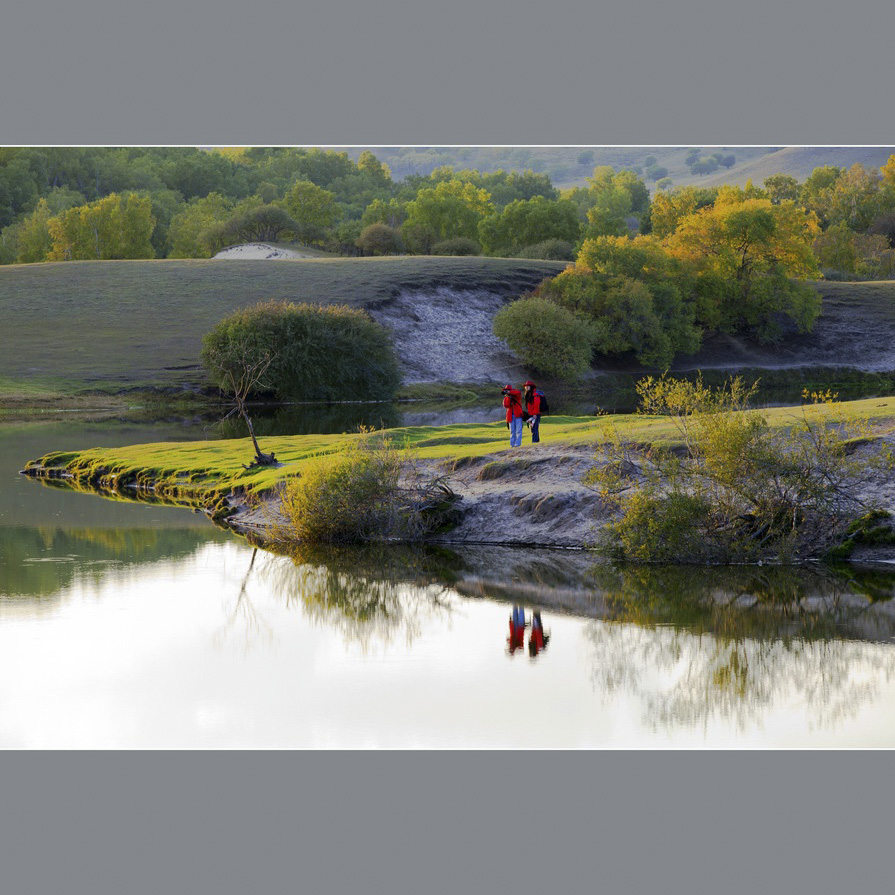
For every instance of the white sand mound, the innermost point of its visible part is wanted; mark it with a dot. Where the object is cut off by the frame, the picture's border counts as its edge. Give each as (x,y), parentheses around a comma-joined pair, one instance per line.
(259,251)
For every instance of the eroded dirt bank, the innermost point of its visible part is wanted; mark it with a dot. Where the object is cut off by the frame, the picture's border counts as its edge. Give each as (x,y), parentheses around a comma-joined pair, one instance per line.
(530,495)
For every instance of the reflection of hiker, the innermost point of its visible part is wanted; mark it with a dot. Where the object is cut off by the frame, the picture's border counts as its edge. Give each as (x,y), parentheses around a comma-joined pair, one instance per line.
(512,400)
(537,640)
(532,399)
(516,639)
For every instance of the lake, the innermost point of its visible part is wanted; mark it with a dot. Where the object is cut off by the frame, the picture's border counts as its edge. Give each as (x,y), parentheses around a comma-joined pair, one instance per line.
(132,626)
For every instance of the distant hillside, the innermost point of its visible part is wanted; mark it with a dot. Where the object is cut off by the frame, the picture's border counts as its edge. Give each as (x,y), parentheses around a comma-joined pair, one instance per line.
(569,166)
(798,162)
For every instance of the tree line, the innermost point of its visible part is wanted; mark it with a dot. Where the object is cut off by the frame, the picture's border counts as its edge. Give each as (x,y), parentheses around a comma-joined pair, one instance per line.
(106,203)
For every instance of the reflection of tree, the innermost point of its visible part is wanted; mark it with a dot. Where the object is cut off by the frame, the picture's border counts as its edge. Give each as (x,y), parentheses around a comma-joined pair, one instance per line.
(369,592)
(734,644)
(244,613)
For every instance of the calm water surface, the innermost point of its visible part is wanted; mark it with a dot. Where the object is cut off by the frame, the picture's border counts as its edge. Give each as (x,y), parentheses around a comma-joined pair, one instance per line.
(136,626)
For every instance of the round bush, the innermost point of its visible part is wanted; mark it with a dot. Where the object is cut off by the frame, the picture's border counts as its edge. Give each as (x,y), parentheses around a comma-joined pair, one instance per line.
(380,239)
(546,336)
(462,245)
(317,353)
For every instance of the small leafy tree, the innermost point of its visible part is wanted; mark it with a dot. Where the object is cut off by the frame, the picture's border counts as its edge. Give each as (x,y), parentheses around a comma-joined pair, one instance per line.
(312,208)
(240,371)
(380,239)
(262,223)
(737,490)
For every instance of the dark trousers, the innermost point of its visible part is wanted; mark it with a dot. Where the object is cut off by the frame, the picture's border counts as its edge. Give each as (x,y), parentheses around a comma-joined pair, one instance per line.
(536,428)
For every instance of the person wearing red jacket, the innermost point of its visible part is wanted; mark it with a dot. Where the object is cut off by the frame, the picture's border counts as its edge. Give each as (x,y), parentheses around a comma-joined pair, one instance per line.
(532,400)
(512,400)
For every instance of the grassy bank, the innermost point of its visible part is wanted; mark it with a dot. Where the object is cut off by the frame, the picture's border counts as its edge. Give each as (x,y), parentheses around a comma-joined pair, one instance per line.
(101,325)
(200,474)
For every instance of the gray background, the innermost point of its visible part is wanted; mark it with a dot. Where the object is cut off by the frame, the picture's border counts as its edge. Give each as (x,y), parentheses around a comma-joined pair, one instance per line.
(703,72)
(387,73)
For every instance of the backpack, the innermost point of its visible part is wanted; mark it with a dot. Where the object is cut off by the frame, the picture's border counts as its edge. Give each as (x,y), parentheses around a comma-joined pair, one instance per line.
(545,407)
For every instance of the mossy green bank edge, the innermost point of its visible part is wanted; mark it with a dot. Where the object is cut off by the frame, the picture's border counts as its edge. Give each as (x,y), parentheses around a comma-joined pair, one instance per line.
(208,475)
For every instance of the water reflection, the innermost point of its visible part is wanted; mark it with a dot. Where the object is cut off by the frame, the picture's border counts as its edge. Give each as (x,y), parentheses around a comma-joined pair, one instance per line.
(538,638)
(244,622)
(700,645)
(367,593)
(43,561)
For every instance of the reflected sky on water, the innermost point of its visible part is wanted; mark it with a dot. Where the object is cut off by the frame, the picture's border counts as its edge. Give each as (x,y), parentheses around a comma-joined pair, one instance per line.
(139,626)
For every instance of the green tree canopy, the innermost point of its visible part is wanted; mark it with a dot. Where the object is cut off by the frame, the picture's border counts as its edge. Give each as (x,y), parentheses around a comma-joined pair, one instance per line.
(111,228)
(196,231)
(751,251)
(528,222)
(782,187)
(317,353)
(312,208)
(669,208)
(450,209)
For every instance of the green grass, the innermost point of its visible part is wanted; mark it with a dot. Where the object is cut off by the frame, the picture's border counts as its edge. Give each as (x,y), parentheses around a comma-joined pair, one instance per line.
(139,324)
(201,473)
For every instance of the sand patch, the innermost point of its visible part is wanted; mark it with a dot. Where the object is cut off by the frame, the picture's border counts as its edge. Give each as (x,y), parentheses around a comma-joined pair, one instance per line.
(259,251)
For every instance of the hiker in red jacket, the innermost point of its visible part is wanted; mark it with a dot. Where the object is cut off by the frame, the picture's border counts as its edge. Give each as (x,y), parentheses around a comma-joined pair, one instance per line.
(532,400)
(512,400)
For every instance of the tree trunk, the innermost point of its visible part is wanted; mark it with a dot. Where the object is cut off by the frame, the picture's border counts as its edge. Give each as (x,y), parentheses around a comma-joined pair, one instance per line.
(260,456)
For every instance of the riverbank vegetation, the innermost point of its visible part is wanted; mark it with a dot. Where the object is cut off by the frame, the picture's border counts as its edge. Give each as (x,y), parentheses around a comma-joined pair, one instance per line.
(371,491)
(656,269)
(734,488)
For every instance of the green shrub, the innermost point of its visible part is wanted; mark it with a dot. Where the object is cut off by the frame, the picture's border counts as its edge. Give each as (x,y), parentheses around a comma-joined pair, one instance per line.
(546,336)
(461,245)
(549,250)
(317,353)
(650,320)
(738,490)
(380,239)
(369,492)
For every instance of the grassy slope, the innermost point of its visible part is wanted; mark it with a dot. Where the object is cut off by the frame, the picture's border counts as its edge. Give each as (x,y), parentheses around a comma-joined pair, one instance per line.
(798,162)
(119,324)
(201,472)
